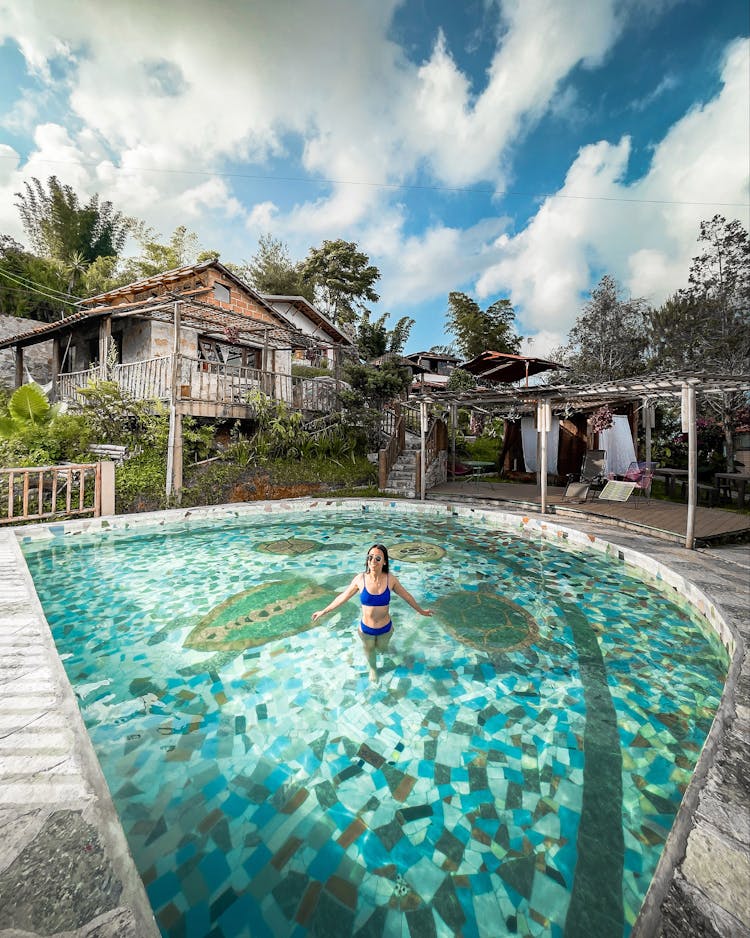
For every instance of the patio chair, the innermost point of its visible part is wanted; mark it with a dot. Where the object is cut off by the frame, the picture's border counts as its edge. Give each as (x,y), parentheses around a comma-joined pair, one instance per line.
(642,475)
(459,472)
(591,475)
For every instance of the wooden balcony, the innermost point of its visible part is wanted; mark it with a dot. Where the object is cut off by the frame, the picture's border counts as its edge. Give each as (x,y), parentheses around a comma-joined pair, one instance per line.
(203,388)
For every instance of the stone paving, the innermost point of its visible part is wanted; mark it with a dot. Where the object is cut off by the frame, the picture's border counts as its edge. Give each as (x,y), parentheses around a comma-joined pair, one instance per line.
(65,868)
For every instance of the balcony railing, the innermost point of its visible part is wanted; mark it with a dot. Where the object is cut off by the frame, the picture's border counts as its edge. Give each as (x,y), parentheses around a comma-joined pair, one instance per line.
(204,381)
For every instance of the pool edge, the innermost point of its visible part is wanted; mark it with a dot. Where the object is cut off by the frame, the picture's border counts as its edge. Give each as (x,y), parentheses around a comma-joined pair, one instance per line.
(679,883)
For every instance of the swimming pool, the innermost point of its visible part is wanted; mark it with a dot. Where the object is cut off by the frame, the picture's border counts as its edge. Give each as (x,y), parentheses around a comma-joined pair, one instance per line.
(515,771)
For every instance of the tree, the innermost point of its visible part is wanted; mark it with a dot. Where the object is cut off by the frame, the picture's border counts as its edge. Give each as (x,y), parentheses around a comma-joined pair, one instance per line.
(374,387)
(156,257)
(62,229)
(444,350)
(478,330)
(342,279)
(676,332)
(272,271)
(608,340)
(706,326)
(461,380)
(101,276)
(373,339)
(30,286)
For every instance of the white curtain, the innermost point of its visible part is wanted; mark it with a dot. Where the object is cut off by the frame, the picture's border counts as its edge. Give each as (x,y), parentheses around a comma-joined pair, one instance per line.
(528,440)
(618,442)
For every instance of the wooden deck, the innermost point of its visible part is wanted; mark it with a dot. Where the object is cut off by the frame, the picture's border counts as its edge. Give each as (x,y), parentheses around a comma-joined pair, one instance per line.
(667,520)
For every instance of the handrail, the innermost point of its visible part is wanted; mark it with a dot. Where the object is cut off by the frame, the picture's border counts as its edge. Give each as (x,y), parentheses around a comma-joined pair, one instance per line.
(388,455)
(412,418)
(43,487)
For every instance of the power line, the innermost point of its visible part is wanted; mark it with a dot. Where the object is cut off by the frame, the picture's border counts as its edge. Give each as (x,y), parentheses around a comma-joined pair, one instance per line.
(37,288)
(478,190)
(27,280)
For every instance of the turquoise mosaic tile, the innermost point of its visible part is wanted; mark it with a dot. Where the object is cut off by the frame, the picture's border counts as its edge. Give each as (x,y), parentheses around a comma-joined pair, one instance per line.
(273,790)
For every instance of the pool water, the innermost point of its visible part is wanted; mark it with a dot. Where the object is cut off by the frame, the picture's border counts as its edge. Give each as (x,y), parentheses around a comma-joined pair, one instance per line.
(515,771)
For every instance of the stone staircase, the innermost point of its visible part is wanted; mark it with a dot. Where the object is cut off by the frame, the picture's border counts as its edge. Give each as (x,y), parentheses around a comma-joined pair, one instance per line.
(402,479)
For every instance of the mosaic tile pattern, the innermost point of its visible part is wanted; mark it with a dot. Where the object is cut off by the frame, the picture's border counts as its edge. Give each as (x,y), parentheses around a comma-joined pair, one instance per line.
(273,791)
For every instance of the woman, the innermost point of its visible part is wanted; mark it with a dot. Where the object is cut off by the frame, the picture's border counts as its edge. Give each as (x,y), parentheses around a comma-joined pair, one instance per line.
(374,587)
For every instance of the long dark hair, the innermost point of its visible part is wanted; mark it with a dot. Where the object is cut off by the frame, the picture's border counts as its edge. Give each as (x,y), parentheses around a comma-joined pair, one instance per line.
(383,550)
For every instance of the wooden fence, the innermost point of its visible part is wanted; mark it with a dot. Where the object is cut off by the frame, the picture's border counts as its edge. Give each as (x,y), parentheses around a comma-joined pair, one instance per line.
(41,493)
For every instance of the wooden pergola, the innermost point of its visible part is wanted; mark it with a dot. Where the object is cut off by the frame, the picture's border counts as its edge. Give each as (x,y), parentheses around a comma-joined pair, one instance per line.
(543,400)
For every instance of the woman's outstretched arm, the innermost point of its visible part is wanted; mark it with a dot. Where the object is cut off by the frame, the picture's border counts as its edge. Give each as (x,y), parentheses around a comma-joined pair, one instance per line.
(404,593)
(343,597)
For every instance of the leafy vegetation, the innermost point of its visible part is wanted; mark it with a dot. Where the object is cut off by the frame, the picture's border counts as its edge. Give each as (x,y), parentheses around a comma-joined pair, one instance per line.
(62,229)
(608,340)
(342,279)
(477,330)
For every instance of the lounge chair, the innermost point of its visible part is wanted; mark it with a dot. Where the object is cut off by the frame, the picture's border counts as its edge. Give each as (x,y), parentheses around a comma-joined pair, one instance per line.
(590,476)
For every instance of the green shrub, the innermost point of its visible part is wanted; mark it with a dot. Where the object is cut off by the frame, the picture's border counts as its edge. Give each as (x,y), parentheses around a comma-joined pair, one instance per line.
(302,371)
(140,482)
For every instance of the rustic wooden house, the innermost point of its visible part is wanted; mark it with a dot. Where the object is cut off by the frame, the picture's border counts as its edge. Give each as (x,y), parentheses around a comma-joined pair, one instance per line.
(200,324)
(197,337)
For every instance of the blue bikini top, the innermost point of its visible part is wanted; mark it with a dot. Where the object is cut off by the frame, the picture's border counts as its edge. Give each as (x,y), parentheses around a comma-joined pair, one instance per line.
(374,599)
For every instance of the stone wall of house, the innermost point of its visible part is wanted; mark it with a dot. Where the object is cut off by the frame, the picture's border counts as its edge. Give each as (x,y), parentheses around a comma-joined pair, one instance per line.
(136,340)
(37,358)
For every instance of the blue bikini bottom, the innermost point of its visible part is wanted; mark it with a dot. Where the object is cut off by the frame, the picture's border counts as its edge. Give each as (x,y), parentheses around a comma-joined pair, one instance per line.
(366,630)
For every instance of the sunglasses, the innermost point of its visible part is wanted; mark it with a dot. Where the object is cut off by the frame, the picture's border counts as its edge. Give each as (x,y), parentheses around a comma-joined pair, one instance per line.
(376,557)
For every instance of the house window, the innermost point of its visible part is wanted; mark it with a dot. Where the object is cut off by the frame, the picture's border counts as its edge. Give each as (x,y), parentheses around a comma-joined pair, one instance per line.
(222,353)
(221,292)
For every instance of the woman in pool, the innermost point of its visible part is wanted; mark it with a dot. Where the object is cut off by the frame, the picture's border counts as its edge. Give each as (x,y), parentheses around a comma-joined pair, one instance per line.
(374,586)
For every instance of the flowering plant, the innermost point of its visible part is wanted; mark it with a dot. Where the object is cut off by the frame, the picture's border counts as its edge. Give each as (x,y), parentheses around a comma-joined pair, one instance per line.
(602,419)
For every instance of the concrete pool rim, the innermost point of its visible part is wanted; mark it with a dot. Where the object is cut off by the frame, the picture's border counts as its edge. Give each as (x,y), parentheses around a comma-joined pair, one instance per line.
(508,521)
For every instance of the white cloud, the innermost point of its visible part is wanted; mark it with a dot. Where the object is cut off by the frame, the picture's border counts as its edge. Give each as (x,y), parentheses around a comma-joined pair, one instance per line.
(667,84)
(589,227)
(275,85)
(212,194)
(236,87)
(521,83)
(440,260)
(543,343)
(261,219)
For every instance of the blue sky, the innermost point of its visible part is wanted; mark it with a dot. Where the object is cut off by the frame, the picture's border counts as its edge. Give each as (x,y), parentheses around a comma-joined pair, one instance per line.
(504,148)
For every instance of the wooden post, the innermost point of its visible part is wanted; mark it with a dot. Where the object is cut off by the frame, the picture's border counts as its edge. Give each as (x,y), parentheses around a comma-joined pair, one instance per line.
(106,488)
(648,426)
(543,421)
(423,449)
(454,426)
(55,367)
(688,400)
(174,443)
(19,366)
(105,334)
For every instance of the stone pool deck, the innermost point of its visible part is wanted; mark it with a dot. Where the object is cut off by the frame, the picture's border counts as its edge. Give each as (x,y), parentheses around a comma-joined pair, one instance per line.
(65,868)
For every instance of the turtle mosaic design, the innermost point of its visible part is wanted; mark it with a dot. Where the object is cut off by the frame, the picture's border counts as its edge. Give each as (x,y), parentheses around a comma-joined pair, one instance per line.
(486,621)
(258,615)
(297,545)
(416,552)
(290,545)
